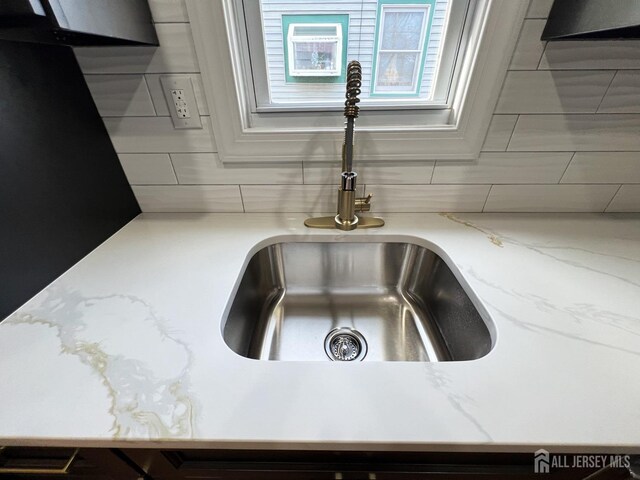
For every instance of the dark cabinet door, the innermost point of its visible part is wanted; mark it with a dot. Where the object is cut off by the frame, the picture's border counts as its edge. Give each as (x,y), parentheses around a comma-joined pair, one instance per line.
(39,463)
(309,465)
(226,465)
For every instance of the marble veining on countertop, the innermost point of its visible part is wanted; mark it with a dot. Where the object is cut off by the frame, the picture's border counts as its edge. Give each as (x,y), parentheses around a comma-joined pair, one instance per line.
(126,347)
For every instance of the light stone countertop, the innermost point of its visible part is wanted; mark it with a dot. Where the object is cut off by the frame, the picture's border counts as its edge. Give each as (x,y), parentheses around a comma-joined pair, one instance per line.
(126,349)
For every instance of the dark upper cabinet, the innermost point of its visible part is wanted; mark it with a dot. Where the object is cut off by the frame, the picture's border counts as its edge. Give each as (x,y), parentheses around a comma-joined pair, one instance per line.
(78,22)
(21,8)
(593,20)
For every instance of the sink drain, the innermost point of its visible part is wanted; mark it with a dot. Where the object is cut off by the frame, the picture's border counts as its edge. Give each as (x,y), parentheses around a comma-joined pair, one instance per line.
(345,345)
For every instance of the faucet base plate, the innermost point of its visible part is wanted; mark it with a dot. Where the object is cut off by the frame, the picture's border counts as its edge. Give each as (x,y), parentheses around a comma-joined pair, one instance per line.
(370,222)
(330,222)
(320,222)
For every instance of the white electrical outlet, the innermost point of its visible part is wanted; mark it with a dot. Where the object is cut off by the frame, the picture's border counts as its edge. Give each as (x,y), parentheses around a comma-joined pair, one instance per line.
(182,107)
(181,100)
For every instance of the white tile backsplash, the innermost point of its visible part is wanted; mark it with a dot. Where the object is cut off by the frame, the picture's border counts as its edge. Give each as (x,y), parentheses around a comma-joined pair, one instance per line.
(121,95)
(148,168)
(189,198)
(539,8)
(603,167)
(291,198)
(206,168)
(396,173)
(623,95)
(549,198)
(529,48)
(176,53)
(599,132)
(565,135)
(626,200)
(157,135)
(540,91)
(427,198)
(499,134)
(498,167)
(168,11)
(591,55)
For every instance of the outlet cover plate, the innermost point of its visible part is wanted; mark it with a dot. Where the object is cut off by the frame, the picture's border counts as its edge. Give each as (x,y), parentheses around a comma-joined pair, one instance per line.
(188,102)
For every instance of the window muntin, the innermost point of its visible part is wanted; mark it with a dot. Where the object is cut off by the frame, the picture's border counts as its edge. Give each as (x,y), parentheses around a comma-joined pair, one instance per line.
(400,44)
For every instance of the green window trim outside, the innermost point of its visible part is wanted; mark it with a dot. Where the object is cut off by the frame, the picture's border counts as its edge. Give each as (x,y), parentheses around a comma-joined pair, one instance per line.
(342,19)
(376,46)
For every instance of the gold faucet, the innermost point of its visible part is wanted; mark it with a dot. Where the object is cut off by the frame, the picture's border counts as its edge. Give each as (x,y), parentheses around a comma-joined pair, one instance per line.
(348,203)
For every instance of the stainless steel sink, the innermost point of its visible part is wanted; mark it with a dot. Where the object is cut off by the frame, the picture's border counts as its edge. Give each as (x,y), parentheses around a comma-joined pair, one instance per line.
(353,301)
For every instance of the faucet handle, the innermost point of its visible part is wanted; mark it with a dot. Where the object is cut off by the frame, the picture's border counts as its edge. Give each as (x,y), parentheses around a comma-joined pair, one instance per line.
(363,204)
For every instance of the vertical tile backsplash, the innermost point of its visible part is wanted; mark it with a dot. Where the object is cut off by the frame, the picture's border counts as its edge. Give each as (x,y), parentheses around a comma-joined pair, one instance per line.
(565,135)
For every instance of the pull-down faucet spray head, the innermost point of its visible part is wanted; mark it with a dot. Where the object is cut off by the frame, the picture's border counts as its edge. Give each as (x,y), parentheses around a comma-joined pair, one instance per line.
(351,109)
(354,82)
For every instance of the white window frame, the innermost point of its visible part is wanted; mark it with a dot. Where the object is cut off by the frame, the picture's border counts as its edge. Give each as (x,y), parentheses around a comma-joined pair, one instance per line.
(292,39)
(395,8)
(456,134)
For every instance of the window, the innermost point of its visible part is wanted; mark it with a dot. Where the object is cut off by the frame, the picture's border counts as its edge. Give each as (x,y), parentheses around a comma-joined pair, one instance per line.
(425,96)
(407,49)
(401,35)
(312,50)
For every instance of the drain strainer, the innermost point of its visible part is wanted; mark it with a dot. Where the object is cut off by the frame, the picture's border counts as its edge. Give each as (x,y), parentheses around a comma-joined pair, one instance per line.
(345,345)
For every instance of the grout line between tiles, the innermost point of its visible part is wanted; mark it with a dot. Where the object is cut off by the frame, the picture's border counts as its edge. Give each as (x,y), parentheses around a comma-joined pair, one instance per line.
(607,90)
(268,164)
(130,116)
(544,50)
(612,198)
(178,153)
(156,116)
(487,199)
(566,114)
(515,125)
(146,84)
(173,168)
(241,199)
(97,73)
(327,185)
(433,172)
(566,168)
(567,70)
(513,54)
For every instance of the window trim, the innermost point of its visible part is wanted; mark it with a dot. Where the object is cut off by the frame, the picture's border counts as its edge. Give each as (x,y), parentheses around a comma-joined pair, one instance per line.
(493,36)
(386,6)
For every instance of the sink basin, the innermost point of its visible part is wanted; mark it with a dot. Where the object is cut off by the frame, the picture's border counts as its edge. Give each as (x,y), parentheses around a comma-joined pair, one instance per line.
(353,301)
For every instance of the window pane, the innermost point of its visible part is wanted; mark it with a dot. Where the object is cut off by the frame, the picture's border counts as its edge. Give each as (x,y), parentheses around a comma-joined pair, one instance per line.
(309,30)
(402,31)
(315,56)
(397,70)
